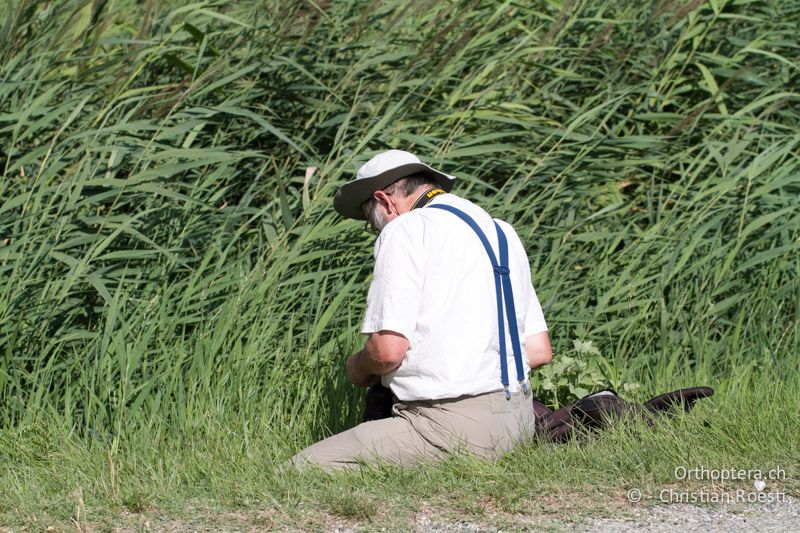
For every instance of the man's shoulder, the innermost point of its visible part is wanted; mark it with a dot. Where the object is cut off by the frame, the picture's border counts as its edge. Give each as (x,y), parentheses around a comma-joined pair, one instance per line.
(478,213)
(419,226)
(405,224)
(473,210)
(470,208)
(419,223)
(404,231)
(505,226)
(416,219)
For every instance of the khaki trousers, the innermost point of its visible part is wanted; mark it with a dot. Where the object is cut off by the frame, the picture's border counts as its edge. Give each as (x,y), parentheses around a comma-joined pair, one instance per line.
(487,425)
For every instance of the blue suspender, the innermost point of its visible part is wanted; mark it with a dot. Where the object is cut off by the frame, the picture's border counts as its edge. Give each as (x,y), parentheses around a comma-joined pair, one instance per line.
(502,285)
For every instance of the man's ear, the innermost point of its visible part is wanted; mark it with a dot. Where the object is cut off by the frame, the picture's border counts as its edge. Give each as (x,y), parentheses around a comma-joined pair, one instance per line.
(384,201)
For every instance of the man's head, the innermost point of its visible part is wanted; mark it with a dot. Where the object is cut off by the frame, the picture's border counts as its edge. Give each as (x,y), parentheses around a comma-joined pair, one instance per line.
(386,204)
(384,187)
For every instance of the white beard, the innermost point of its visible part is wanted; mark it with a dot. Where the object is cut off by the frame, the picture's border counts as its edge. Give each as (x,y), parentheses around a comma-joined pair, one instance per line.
(376,219)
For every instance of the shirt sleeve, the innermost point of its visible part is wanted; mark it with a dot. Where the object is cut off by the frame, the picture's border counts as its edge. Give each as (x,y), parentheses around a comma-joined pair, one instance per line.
(395,293)
(534,317)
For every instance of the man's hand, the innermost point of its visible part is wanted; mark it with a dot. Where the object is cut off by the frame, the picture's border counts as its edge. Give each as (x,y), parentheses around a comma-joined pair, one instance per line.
(356,373)
(383,352)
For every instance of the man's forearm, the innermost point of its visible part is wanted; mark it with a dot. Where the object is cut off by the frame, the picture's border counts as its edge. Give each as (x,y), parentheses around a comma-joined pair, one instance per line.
(383,352)
(371,362)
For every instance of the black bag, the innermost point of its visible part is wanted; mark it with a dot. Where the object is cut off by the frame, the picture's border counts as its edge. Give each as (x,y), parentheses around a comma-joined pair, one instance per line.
(597,410)
(590,413)
(378,403)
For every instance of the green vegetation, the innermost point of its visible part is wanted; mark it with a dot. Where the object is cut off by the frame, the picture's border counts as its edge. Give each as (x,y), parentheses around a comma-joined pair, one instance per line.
(177,296)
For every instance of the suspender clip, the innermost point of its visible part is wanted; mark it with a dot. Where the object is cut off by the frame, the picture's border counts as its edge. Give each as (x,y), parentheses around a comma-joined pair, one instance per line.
(508,392)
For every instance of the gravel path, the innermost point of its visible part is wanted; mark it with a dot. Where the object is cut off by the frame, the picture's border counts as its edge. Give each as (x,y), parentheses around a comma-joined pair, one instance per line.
(773,516)
(630,517)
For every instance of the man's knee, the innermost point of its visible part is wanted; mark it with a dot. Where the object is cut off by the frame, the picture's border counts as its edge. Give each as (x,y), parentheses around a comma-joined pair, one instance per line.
(334,453)
(391,440)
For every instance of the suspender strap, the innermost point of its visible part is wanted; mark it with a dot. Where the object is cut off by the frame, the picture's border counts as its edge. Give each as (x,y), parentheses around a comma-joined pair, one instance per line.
(502,284)
(511,312)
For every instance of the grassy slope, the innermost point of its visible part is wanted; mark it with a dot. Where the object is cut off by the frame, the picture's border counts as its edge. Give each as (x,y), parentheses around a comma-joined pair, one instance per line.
(172,279)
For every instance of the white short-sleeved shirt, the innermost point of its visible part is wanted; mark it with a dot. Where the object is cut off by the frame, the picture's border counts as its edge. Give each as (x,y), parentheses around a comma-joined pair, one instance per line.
(434,284)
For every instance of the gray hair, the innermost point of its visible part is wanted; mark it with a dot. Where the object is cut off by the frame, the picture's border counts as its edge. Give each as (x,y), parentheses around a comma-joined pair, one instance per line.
(405,186)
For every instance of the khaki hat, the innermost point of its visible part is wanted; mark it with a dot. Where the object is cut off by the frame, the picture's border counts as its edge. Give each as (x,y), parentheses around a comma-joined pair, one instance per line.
(379,172)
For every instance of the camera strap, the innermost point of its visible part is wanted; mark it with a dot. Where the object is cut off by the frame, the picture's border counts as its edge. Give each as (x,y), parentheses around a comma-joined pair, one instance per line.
(427,196)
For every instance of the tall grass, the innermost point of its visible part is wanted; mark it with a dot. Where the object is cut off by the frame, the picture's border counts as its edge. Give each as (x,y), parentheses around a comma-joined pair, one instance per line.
(170,261)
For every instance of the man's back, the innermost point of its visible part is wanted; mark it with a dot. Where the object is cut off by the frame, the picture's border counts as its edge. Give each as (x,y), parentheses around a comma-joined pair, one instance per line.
(433,283)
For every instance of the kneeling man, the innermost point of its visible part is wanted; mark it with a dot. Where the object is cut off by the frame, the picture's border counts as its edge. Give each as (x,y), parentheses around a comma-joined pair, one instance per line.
(451,300)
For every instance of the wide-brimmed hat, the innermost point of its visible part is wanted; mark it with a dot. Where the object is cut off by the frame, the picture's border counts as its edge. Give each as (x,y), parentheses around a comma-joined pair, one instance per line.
(379,172)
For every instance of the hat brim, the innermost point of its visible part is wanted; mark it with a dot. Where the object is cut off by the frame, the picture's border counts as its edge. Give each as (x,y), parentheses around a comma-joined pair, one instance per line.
(351,195)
